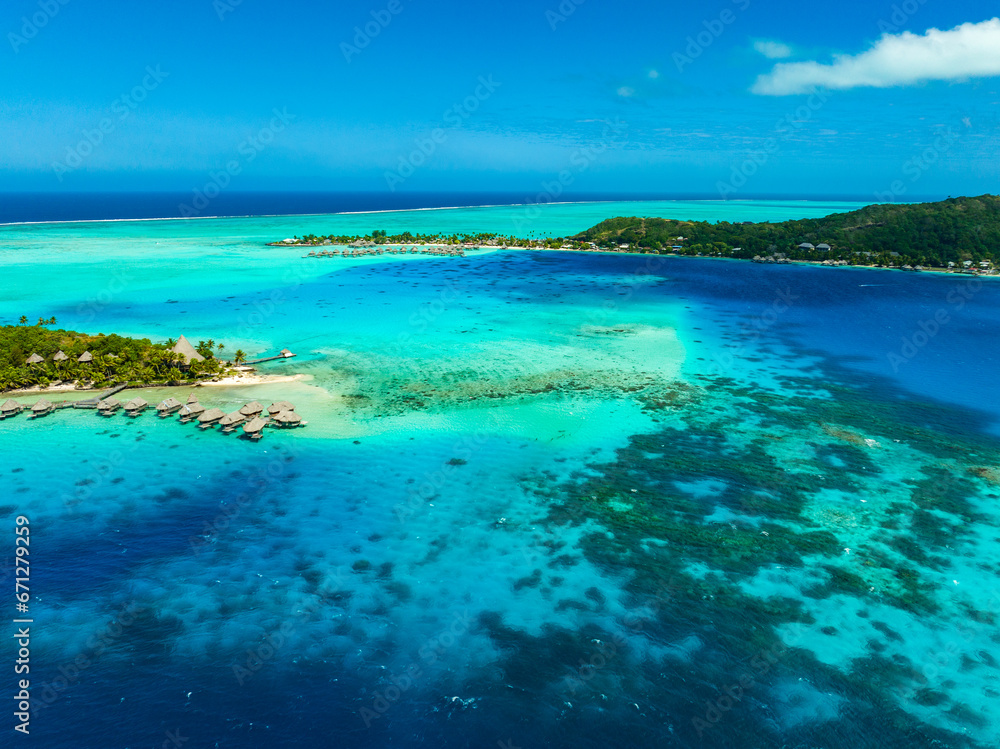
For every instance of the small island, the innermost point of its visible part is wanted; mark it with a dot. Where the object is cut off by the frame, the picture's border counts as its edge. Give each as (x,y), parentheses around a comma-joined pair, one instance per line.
(37,356)
(62,360)
(380,242)
(958,235)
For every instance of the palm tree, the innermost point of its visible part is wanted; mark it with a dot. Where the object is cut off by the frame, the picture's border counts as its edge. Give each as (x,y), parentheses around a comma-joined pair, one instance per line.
(23,320)
(239,357)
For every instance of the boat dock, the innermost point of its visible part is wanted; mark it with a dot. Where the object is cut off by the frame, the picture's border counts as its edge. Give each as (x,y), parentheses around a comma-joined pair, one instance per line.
(92,402)
(285,354)
(252,417)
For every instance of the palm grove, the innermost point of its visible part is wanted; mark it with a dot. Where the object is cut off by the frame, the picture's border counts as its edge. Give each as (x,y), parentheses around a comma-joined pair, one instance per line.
(112,359)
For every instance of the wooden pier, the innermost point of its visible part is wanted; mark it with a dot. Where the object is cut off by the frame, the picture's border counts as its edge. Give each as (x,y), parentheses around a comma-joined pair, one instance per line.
(285,354)
(92,402)
(252,417)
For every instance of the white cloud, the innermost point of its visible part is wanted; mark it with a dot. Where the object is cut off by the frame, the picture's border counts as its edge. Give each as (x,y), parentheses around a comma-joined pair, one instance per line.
(772,50)
(626,91)
(654,74)
(971,50)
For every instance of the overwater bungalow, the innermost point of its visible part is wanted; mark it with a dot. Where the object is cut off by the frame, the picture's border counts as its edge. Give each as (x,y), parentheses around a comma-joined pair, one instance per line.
(42,408)
(169,406)
(288,420)
(230,422)
(191,411)
(135,407)
(192,398)
(85,358)
(255,429)
(108,406)
(252,409)
(277,408)
(34,359)
(10,408)
(210,418)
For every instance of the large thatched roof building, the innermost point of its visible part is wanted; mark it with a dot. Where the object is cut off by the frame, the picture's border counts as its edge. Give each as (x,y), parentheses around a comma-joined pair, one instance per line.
(185,349)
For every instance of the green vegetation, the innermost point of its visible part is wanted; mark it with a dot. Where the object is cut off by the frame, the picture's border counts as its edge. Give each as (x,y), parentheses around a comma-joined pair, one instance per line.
(483,239)
(115,359)
(930,234)
(961,231)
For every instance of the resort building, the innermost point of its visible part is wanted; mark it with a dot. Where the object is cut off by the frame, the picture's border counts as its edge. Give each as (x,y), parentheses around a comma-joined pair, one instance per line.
(252,409)
(10,408)
(169,406)
(185,349)
(136,406)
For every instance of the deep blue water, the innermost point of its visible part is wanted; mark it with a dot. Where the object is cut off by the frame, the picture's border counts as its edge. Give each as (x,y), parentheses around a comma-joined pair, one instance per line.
(933,335)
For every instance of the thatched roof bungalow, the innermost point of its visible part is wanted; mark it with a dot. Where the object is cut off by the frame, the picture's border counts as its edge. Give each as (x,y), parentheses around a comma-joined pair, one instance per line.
(288,419)
(34,359)
(136,406)
(85,358)
(191,411)
(169,406)
(108,406)
(277,408)
(60,356)
(211,417)
(42,407)
(229,422)
(10,407)
(255,429)
(252,409)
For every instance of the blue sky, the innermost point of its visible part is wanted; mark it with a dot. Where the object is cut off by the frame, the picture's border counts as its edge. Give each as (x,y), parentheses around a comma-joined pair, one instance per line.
(534,97)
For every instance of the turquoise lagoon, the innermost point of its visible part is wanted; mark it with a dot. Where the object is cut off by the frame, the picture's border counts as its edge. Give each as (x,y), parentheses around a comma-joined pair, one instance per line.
(544,498)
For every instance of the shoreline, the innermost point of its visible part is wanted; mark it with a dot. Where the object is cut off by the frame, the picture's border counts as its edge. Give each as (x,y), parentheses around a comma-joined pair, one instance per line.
(811,263)
(250,380)
(242,380)
(487,249)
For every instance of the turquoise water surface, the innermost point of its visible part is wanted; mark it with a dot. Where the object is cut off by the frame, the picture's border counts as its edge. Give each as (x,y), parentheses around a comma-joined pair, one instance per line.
(544,498)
